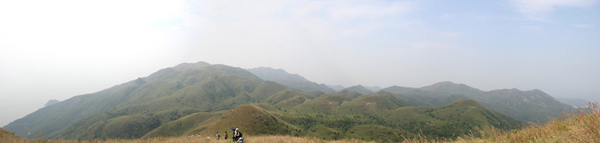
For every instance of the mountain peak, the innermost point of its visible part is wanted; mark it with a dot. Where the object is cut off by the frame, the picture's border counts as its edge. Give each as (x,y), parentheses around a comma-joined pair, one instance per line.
(360,89)
(183,66)
(398,89)
(444,83)
(452,87)
(139,80)
(50,102)
(268,73)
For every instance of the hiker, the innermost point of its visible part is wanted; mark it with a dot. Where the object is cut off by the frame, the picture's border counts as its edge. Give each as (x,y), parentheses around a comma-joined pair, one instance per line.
(238,134)
(218,135)
(234,133)
(226,135)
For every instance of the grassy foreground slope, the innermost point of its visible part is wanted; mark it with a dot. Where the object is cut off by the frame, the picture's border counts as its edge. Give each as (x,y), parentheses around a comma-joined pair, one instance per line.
(580,127)
(6,136)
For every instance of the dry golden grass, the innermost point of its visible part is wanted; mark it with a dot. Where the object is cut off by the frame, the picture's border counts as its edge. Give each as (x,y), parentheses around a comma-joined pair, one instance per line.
(575,127)
(252,139)
(290,139)
(7,137)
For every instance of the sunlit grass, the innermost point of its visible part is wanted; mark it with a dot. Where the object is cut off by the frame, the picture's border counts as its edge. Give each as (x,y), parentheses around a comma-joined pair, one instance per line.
(251,139)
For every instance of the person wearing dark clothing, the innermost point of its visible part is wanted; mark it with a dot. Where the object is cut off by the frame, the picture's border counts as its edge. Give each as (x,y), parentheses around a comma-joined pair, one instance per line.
(226,135)
(237,134)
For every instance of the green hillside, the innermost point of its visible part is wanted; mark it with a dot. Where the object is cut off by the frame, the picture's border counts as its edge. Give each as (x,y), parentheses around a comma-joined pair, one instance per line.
(220,89)
(450,120)
(529,106)
(381,101)
(51,120)
(162,97)
(325,103)
(377,116)
(251,120)
(288,99)
(188,125)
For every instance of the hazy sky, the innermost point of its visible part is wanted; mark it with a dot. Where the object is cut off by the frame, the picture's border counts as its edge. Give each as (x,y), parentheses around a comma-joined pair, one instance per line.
(58,49)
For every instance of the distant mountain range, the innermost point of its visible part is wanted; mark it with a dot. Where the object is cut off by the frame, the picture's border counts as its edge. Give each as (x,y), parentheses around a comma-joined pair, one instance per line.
(293,81)
(576,102)
(529,106)
(373,88)
(194,98)
(336,87)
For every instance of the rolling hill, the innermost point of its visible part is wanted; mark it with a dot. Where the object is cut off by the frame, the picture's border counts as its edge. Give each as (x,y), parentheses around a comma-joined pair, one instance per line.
(164,96)
(530,106)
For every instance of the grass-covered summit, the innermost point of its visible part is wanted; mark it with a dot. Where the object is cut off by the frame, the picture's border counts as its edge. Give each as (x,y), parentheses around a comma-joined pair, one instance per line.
(132,109)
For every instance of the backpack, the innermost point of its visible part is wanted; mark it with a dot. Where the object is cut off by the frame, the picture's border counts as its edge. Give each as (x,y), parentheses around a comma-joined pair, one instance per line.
(240,134)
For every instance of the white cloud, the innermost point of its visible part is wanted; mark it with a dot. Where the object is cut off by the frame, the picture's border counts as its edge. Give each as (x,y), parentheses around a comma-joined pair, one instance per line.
(537,9)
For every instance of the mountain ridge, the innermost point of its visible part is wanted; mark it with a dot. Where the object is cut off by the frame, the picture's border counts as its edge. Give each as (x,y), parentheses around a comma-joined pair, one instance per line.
(293,81)
(157,105)
(531,106)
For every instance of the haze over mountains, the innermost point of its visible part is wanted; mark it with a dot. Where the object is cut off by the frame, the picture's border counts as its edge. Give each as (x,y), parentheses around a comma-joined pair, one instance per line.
(290,80)
(577,102)
(193,98)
